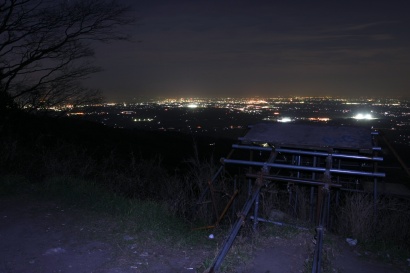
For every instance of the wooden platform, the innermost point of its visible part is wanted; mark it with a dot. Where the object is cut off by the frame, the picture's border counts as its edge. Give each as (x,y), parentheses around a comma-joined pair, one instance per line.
(311,136)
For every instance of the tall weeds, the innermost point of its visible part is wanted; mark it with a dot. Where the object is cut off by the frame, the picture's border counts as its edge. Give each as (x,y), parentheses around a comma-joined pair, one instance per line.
(44,156)
(356,217)
(388,224)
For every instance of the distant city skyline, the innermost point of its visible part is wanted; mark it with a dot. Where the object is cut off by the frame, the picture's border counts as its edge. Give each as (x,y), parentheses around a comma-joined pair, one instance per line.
(404,99)
(260,48)
(229,117)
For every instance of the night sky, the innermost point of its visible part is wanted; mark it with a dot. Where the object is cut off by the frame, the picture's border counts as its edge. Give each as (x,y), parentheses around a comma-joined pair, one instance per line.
(260,48)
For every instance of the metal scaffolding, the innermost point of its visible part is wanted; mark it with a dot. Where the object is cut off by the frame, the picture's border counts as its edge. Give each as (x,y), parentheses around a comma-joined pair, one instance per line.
(325,158)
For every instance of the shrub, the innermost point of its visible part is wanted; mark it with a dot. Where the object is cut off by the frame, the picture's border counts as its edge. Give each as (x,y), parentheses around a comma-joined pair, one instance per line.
(389,226)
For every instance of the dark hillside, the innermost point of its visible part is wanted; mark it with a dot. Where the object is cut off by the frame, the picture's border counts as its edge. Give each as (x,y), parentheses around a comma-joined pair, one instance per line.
(166,166)
(29,134)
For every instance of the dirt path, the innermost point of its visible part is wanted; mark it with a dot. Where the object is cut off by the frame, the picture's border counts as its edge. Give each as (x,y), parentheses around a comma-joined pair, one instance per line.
(39,236)
(293,255)
(45,237)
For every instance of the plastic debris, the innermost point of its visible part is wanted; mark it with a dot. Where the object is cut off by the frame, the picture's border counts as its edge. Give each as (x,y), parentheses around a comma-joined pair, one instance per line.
(56,250)
(351,242)
(128,238)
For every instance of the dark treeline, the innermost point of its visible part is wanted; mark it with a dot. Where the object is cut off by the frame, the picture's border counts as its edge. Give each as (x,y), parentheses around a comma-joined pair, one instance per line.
(134,163)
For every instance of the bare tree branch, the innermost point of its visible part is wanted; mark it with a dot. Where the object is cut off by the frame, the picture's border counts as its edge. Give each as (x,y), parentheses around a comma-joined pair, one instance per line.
(45,47)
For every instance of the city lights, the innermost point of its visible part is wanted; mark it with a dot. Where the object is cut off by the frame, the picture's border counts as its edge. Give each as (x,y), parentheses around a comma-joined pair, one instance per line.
(285,119)
(229,117)
(192,105)
(361,116)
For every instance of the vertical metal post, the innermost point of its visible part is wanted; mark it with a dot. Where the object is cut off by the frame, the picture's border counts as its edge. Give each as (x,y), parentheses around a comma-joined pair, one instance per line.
(375,199)
(234,201)
(339,165)
(255,213)
(295,210)
(317,258)
(375,195)
(298,163)
(327,179)
(327,216)
(337,198)
(289,188)
(249,187)
(324,192)
(265,170)
(312,195)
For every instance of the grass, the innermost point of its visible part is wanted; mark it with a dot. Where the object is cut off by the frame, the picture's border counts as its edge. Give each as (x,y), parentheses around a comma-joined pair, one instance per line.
(388,252)
(145,220)
(388,233)
(238,255)
(150,220)
(135,215)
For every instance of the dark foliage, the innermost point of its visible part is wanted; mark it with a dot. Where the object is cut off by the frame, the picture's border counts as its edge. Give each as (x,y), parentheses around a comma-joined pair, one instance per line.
(133,163)
(46,46)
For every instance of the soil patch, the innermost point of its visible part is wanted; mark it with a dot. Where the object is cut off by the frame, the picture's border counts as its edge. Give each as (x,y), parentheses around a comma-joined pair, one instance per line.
(45,236)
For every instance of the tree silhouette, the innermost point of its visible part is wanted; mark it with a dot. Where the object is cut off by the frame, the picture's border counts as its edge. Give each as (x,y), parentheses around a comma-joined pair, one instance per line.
(46,48)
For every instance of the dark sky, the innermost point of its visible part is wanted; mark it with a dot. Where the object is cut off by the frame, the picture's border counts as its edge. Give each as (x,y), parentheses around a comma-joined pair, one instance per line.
(260,48)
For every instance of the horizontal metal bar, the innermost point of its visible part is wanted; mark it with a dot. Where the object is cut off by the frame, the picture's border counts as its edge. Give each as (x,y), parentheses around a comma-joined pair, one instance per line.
(334,155)
(294,180)
(301,168)
(248,147)
(291,151)
(278,223)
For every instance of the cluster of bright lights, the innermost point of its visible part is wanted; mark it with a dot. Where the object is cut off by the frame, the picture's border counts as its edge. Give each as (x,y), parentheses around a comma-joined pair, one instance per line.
(285,120)
(127,112)
(319,119)
(143,119)
(76,114)
(363,116)
(253,101)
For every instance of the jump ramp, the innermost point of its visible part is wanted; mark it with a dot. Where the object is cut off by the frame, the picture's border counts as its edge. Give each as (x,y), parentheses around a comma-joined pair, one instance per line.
(325,159)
